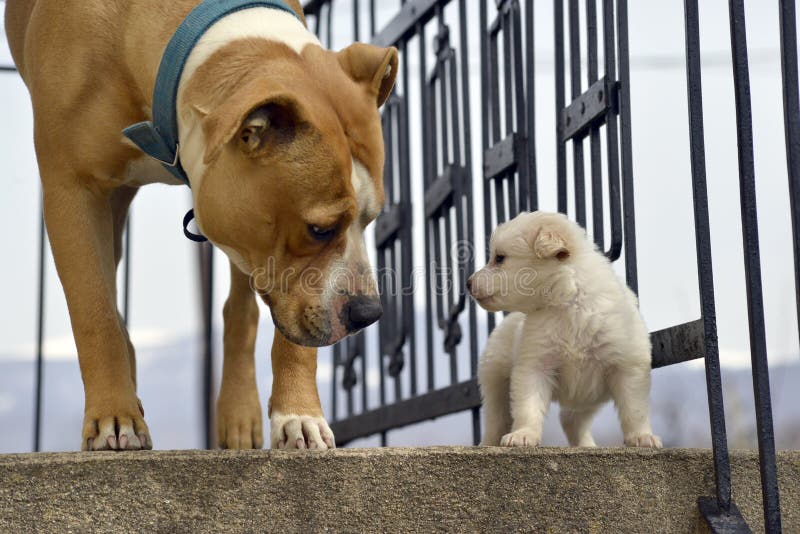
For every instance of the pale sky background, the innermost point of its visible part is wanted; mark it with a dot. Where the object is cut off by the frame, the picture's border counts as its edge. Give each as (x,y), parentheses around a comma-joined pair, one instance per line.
(165,296)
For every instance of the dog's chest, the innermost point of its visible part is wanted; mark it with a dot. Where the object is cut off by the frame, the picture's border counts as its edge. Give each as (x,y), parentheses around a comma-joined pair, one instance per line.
(581,382)
(579,364)
(145,170)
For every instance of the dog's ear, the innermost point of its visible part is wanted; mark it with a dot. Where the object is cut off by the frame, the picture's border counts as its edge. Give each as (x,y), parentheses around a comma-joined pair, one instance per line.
(372,66)
(260,115)
(549,243)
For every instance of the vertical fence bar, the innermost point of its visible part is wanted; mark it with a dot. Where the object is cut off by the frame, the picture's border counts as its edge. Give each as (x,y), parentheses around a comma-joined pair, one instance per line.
(427,131)
(575,82)
(328,23)
(37,420)
(612,137)
(334,390)
(594,135)
(469,262)
(791,120)
(521,203)
(561,151)
(356,21)
(626,147)
(752,259)
(126,281)
(487,90)
(530,123)
(406,232)
(206,260)
(371,18)
(722,469)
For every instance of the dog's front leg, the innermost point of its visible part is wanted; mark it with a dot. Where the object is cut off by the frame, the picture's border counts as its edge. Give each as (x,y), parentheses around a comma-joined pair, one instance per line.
(238,406)
(630,389)
(80,226)
(531,392)
(494,377)
(295,413)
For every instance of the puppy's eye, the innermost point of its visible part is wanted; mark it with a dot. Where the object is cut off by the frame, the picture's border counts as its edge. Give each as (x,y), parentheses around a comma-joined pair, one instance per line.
(321,234)
(499,259)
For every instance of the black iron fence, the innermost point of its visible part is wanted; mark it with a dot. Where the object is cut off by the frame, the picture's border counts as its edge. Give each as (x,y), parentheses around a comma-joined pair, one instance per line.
(436,84)
(593,120)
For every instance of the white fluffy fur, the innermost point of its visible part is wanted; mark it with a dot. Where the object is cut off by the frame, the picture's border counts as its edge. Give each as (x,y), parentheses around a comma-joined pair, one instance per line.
(576,336)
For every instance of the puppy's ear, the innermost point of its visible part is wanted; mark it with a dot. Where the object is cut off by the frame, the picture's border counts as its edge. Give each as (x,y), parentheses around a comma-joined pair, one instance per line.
(372,66)
(550,244)
(259,116)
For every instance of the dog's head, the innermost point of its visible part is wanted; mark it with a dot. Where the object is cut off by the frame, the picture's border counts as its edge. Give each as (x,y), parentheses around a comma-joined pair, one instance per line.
(532,263)
(291,173)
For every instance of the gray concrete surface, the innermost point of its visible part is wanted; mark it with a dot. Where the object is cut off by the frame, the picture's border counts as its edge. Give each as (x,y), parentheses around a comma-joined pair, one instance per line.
(452,489)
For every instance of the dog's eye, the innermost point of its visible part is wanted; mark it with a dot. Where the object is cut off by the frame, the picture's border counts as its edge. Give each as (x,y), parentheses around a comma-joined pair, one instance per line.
(321,234)
(499,259)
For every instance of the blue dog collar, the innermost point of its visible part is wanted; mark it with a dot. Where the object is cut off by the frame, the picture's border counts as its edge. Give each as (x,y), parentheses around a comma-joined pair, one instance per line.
(159,138)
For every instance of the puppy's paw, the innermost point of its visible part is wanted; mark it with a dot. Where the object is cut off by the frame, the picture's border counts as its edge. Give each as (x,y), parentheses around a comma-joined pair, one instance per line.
(644,439)
(523,437)
(239,422)
(115,429)
(300,432)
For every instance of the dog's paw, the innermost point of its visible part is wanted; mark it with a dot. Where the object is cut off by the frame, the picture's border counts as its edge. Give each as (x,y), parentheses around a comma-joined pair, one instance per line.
(523,437)
(644,439)
(300,432)
(115,430)
(239,422)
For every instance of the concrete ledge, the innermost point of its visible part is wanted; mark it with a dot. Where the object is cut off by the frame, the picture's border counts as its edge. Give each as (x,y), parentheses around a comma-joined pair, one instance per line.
(379,490)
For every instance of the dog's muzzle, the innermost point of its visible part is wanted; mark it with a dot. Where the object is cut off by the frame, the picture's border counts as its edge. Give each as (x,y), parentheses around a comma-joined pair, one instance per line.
(361,311)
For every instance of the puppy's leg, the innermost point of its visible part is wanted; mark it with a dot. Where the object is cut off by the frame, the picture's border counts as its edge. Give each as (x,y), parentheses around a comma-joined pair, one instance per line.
(576,425)
(238,408)
(494,374)
(295,413)
(531,392)
(80,226)
(630,389)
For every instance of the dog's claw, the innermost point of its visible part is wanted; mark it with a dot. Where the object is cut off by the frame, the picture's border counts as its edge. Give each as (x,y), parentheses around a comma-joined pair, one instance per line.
(521,438)
(300,432)
(145,442)
(644,440)
(120,432)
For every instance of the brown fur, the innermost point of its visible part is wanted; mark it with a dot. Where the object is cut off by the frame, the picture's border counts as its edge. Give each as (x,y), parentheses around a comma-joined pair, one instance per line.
(90,67)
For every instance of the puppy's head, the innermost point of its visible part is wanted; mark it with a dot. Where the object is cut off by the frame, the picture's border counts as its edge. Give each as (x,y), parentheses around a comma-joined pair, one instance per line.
(291,175)
(531,264)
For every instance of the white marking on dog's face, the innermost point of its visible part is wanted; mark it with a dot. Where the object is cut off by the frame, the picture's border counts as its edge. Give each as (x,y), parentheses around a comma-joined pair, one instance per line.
(351,274)
(259,22)
(368,210)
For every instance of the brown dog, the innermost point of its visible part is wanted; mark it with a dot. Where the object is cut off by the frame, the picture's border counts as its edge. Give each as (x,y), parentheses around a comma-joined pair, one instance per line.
(281,141)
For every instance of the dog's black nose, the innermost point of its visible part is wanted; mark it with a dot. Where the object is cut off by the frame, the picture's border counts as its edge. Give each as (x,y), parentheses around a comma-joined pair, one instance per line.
(362,311)
(469,284)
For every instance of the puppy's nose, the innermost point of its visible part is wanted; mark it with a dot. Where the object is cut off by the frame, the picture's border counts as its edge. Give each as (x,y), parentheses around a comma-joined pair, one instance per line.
(362,311)
(469,284)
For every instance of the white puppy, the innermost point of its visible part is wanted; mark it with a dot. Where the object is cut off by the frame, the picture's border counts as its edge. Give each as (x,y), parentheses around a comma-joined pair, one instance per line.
(576,336)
